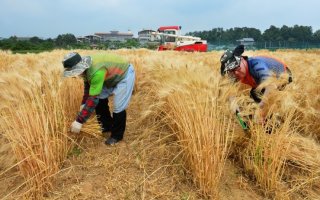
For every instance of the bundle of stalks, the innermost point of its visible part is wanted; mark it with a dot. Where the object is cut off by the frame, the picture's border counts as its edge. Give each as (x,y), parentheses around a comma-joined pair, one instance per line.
(283,162)
(71,95)
(203,136)
(304,154)
(265,156)
(6,160)
(92,128)
(303,167)
(195,115)
(34,121)
(36,130)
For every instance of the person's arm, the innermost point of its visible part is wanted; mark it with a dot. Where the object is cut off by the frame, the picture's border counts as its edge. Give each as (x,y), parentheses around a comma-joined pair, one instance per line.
(261,73)
(85,92)
(262,104)
(95,88)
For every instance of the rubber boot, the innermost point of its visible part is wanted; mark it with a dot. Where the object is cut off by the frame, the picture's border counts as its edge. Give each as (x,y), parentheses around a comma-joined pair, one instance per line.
(119,125)
(103,115)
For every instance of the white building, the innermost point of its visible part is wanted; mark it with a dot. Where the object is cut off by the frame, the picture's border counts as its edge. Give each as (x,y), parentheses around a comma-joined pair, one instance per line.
(246,41)
(115,36)
(144,35)
(89,39)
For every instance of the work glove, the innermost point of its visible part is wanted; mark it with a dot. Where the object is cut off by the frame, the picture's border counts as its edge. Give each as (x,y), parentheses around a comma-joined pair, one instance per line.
(81,107)
(76,127)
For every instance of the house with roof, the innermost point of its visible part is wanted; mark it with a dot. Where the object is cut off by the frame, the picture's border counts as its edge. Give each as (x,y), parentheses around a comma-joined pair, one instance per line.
(144,35)
(246,41)
(89,39)
(115,36)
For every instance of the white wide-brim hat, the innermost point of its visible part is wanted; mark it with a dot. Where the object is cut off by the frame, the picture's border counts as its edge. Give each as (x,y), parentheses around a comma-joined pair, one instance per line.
(74,64)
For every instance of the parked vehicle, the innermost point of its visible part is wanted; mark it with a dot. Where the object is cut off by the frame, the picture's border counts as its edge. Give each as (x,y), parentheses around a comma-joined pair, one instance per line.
(171,39)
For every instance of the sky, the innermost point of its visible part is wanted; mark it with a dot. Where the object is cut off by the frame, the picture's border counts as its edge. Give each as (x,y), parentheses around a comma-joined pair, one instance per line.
(49,18)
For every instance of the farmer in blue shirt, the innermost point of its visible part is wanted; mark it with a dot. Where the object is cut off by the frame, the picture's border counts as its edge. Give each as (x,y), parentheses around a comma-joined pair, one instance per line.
(253,71)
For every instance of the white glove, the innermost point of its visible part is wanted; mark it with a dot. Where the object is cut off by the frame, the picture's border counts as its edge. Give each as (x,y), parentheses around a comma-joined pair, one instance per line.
(76,127)
(81,107)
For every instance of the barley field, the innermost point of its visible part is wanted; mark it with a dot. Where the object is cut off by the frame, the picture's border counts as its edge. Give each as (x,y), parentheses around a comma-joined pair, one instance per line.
(182,141)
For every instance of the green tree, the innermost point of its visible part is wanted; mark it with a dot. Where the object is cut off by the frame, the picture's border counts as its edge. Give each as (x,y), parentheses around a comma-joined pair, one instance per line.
(253,33)
(286,32)
(35,40)
(66,40)
(6,44)
(23,45)
(302,33)
(272,34)
(130,43)
(316,36)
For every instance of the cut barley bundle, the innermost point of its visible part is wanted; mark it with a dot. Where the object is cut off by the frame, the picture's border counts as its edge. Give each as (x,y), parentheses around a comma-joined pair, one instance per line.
(92,128)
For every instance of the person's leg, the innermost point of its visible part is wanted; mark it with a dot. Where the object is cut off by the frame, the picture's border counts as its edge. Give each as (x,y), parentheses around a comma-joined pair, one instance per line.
(103,115)
(119,125)
(102,110)
(122,95)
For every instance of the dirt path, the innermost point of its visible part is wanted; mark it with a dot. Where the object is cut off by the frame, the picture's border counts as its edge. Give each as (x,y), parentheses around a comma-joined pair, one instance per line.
(142,166)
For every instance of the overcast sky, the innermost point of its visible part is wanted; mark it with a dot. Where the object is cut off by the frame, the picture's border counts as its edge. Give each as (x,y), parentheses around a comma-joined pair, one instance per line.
(49,18)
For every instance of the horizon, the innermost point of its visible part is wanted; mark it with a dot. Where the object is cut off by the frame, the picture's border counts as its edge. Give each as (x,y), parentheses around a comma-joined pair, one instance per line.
(48,19)
(136,35)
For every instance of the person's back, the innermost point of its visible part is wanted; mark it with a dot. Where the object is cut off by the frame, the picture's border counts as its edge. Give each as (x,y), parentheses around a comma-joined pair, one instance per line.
(262,67)
(111,67)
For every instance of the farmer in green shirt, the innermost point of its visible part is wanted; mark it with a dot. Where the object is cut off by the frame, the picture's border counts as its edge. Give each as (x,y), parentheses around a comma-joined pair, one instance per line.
(104,75)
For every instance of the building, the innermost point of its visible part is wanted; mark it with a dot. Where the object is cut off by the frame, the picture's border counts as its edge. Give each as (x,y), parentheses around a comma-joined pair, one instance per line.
(246,41)
(144,36)
(115,36)
(82,39)
(93,38)
(89,39)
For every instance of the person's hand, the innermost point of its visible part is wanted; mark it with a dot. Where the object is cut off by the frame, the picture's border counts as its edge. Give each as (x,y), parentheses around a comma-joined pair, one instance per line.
(81,107)
(259,116)
(261,105)
(233,105)
(76,127)
(262,112)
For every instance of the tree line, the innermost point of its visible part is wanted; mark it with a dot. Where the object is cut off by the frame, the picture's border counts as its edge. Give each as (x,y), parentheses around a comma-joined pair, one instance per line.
(280,36)
(296,33)
(63,41)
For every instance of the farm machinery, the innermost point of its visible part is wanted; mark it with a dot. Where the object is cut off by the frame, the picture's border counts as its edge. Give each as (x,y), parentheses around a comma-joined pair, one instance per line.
(170,38)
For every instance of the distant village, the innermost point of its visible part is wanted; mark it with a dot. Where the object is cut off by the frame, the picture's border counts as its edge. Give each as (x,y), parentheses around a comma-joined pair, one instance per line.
(144,36)
(297,36)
